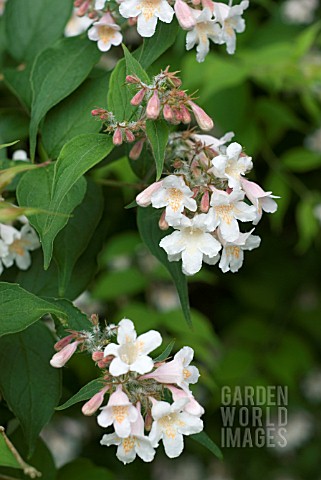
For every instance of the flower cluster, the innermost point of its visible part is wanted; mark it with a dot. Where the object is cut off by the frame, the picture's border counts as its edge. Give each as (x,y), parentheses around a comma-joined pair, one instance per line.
(204,20)
(204,202)
(162,98)
(149,400)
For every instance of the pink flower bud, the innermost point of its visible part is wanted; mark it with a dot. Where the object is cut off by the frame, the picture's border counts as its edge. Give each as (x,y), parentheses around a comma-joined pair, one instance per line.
(77,3)
(135,152)
(138,98)
(63,343)
(83,9)
(178,116)
(195,192)
(118,137)
(186,116)
(94,403)
(130,137)
(62,357)
(143,199)
(132,79)
(205,202)
(196,2)
(163,224)
(184,15)
(208,4)
(96,356)
(132,21)
(204,121)
(168,113)
(148,421)
(153,106)
(104,361)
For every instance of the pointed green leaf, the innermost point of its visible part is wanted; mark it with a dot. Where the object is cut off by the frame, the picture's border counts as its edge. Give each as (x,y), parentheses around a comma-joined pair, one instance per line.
(207,442)
(7,459)
(157,134)
(85,393)
(151,234)
(166,353)
(14,300)
(133,67)
(57,72)
(30,386)
(35,190)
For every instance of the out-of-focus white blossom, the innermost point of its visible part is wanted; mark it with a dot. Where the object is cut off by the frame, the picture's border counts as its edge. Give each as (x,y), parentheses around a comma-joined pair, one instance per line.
(20,155)
(313,141)
(205,29)
(231,21)
(263,201)
(232,255)
(106,33)
(20,244)
(76,25)
(147,13)
(299,11)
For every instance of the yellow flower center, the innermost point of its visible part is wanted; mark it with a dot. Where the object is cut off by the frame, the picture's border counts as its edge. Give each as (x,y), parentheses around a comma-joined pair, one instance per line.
(18,247)
(119,413)
(128,444)
(106,33)
(224,211)
(148,8)
(233,251)
(175,198)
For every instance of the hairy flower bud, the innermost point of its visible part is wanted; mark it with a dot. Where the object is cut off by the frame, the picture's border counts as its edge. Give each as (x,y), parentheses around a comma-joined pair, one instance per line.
(118,137)
(186,116)
(130,137)
(90,407)
(205,202)
(138,98)
(63,342)
(135,152)
(96,356)
(168,113)
(62,357)
(132,79)
(204,121)
(153,106)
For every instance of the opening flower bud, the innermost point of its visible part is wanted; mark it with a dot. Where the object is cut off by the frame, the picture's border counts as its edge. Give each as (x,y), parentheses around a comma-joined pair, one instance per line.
(204,121)
(63,342)
(62,357)
(184,14)
(94,403)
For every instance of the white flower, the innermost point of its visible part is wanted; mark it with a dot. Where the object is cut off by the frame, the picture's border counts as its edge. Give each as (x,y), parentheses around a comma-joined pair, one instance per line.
(118,412)
(192,242)
(231,21)
(299,11)
(106,32)
(231,165)
(206,29)
(192,406)
(19,244)
(178,370)
(135,444)
(131,353)
(99,4)
(232,253)
(313,141)
(173,194)
(263,201)
(227,209)
(147,11)
(76,25)
(170,424)
(3,252)
(20,155)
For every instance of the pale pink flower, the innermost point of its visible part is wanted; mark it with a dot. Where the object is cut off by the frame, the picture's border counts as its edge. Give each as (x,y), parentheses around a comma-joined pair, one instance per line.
(106,32)
(231,165)
(192,407)
(232,253)
(204,30)
(90,407)
(118,412)
(143,199)
(184,14)
(204,121)
(231,21)
(263,201)
(147,13)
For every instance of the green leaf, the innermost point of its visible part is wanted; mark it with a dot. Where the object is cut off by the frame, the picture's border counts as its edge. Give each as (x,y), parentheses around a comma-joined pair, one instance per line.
(72,241)
(157,133)
(207,442)
(32,25)
(307,223)
(14,123)
(133,67)
(73,318)
(72,116)
(84,469)
(118,98)
(7,459)
(35,189)
(85,393)
(30,386)
(152,48)
(166,353)
(151,234)
(14,300)
(114,284)
(18,81)
(57,72)
(301,160)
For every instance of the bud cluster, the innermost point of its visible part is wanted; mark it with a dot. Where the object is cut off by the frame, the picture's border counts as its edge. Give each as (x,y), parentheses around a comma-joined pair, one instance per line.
(203,196)
(149,400)
(204,20)
(162,98)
